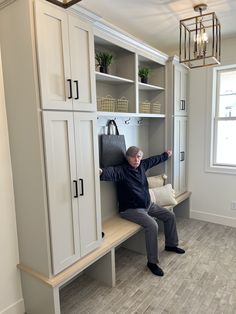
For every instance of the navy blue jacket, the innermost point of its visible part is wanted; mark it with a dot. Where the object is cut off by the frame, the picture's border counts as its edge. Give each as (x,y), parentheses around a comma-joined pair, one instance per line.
(132,185)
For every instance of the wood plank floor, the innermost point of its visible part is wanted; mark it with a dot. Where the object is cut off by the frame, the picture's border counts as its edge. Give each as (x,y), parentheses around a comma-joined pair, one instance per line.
(202,281)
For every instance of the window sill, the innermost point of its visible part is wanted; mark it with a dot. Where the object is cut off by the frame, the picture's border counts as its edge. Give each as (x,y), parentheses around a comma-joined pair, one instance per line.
(221,169)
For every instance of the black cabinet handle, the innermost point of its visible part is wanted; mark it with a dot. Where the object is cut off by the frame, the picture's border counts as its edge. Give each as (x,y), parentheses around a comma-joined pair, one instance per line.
(182,105)
(70,89)
(182,156)
(77,89)
(76,188)
(82,186)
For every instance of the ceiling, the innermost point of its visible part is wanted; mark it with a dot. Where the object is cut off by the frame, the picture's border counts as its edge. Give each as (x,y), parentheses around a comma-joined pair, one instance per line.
(157,21)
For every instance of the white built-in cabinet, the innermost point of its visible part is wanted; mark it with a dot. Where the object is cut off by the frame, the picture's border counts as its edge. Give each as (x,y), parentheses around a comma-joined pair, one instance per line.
(180,90)
(179,156)
(177,123)
(72,167)
(66,60)
(52,119)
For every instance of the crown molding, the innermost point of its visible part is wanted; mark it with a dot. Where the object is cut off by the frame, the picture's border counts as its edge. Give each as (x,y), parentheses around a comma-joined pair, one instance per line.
(102,25)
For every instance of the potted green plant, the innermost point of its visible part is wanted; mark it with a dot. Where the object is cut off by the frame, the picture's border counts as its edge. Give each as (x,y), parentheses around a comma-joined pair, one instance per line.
(104,59)
(143,74)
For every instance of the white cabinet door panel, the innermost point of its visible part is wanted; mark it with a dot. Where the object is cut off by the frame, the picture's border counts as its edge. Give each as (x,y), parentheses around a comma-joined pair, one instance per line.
(88,177)
(183,148)
(53,57)
(180,150)
(61,171)
(180,90)
(82,60)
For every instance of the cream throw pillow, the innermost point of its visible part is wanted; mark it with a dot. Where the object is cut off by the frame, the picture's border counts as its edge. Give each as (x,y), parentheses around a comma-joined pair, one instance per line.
(156,181)
(163,195)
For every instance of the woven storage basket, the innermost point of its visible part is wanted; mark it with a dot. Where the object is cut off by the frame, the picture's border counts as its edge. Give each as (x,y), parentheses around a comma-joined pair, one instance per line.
(108,103)
(156,108)
(122,104)
(145,107)
(99,104)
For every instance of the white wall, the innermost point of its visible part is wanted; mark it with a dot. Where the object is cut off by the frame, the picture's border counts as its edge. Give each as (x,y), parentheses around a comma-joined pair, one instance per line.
(212,193)
(11,301)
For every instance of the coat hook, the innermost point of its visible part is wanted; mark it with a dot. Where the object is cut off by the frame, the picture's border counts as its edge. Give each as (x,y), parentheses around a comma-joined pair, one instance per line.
(127,121)
(140,121)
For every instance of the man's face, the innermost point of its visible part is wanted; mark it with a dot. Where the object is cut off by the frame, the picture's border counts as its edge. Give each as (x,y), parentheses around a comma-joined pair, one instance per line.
(135,160)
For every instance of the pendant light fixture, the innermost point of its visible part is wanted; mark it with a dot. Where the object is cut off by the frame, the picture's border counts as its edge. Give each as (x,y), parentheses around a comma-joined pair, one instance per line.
(200,39)
(64,3)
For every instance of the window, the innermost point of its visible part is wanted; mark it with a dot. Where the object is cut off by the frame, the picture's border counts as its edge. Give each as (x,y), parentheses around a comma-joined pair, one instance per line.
(224,118)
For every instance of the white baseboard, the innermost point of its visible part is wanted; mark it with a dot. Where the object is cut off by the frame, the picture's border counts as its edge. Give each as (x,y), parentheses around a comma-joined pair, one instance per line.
(15,308)
(218,219)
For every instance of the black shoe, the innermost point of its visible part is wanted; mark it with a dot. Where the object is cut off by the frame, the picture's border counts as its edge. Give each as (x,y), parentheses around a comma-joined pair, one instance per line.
(175,249)
(156,270)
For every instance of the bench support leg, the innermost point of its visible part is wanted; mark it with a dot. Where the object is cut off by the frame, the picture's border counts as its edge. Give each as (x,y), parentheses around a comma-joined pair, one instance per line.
(182,209)
(39,297)
(136,243)
(104,269)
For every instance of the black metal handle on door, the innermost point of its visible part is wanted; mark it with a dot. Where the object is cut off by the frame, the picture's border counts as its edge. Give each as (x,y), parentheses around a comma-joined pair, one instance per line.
(70,89)
(76,188)
(82,187)
(77,89)
(182,156)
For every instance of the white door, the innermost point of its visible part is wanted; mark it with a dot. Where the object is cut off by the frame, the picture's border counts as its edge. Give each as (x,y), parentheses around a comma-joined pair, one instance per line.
(88,178)
(180,146)
(53,57)
(62,189)
(82,64)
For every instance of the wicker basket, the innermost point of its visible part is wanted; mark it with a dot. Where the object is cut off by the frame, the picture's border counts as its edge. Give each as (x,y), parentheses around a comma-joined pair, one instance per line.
(156,108)
(108,103)
(99,103)
(145,107)
(122,104)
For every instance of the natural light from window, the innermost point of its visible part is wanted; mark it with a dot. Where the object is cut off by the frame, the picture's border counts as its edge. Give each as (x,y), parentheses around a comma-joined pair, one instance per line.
(224,151)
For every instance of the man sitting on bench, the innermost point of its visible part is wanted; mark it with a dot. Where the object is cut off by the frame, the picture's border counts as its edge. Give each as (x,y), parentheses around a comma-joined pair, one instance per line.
(135,205)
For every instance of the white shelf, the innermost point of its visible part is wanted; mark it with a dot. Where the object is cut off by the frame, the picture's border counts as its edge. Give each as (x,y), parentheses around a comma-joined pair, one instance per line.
(107,78)
(129,114)
(144,86)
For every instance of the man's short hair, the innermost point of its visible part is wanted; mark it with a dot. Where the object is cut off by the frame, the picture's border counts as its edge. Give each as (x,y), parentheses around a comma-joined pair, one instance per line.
(133,151)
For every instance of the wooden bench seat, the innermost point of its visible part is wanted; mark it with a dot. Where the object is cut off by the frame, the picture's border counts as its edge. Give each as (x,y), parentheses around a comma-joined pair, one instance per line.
(100,263)
(116,229)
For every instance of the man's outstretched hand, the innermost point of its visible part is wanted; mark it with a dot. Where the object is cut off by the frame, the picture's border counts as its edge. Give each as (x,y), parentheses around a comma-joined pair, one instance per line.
(169,152)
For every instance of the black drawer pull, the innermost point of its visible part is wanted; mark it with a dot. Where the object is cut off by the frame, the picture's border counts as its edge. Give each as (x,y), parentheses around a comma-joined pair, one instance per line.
(82,187)
(70,89)
(77,89)
(76,188)
(182,156)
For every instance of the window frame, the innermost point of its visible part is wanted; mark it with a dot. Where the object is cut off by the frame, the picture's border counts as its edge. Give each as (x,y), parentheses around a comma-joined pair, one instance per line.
(213,119)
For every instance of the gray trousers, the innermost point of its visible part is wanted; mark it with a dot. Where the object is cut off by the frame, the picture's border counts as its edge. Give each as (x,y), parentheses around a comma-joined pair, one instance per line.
(145,217)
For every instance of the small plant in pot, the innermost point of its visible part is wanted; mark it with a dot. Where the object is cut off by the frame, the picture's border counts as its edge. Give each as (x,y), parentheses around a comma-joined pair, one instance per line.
(143,74)
(104,59)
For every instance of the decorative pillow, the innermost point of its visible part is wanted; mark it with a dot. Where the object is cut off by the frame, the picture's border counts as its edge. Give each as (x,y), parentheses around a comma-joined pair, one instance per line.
(156,181)
(163,196)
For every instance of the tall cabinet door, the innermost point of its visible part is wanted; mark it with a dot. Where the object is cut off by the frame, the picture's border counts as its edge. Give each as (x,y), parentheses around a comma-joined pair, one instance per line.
(82,64)
(180,150)
(61,179)
(180,90)
(53,57)
(88,178)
